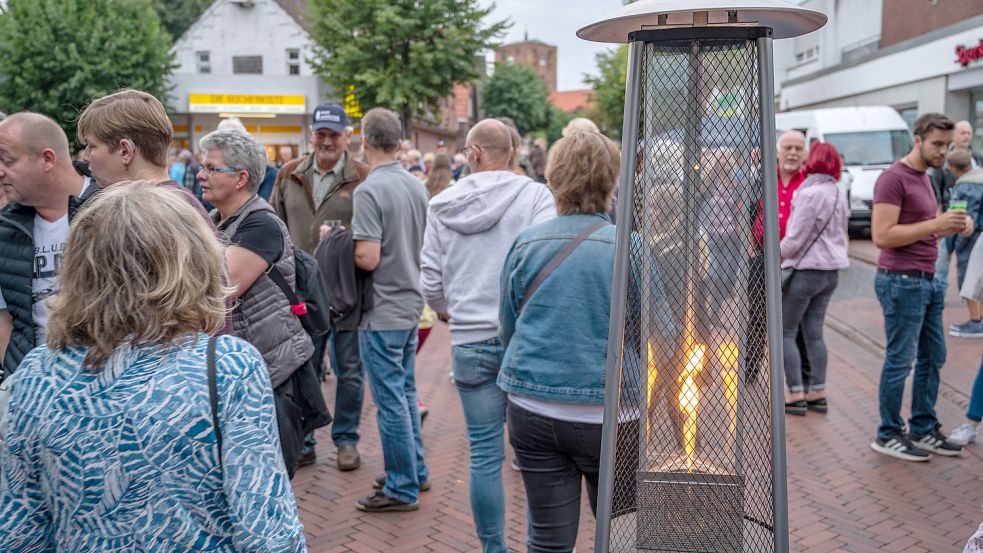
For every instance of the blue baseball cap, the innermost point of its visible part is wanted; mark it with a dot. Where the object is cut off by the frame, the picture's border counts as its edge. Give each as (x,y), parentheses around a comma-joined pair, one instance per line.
(330,116)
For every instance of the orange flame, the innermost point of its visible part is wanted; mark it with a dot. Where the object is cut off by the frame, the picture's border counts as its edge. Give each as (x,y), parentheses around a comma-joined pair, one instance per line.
(728,355)
(689,400)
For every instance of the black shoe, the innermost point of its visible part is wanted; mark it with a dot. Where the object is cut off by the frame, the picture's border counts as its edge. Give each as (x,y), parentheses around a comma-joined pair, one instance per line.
(818,406)
(936,442)
(380,482)
(308,456)
(382,503)
(899,446)
(797,408)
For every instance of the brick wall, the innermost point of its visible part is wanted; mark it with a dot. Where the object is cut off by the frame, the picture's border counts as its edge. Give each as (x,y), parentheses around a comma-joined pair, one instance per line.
(905,19)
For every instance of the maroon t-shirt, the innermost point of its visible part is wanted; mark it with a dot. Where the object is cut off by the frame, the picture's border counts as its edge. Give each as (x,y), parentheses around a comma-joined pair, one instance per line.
(912,191)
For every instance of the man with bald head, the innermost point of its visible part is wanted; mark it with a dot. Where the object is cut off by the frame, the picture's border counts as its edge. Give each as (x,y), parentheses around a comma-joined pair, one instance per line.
(943,180)
(470,228)
(39,180)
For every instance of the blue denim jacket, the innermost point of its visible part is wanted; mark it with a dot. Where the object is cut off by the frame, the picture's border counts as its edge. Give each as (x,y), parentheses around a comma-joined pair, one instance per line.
(556,350)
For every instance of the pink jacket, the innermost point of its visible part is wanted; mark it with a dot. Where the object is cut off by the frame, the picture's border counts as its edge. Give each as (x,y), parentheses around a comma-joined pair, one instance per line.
(812,205)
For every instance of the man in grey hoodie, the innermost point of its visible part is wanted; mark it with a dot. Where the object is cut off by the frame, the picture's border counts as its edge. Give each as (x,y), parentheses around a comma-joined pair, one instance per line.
(470,228)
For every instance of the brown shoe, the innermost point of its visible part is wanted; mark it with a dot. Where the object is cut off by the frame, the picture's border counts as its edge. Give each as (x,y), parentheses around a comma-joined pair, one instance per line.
(348,458)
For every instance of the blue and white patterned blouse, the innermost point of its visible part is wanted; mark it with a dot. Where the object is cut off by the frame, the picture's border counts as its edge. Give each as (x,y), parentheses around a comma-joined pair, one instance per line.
(125,459)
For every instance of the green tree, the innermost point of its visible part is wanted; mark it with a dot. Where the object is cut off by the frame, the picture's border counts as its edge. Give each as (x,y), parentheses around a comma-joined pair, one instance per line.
(516,91)
(57,55)
(607,108)
(558,120)
(402,54)
(177,15)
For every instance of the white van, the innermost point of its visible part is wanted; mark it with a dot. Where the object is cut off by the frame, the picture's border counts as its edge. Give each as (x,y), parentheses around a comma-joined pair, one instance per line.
(870,138)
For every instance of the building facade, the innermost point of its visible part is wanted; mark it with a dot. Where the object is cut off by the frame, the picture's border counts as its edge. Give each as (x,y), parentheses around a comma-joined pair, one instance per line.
(246,59)
(541,57)
(916,56)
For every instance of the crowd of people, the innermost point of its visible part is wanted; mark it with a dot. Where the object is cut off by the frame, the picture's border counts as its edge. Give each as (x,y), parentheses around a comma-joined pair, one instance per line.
(169,316)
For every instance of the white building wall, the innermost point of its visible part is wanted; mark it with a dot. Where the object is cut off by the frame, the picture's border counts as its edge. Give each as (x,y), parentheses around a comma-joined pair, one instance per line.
(229,28)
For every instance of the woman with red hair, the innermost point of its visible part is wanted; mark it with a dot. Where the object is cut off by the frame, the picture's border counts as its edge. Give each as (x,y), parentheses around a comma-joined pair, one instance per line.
(813,250)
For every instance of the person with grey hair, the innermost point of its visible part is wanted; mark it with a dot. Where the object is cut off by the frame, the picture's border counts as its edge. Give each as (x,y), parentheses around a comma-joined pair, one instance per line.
(390,211)
(259,250)
(271,171)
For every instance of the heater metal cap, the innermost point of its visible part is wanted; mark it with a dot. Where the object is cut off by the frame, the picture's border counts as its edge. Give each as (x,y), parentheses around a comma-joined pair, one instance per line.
(786,19)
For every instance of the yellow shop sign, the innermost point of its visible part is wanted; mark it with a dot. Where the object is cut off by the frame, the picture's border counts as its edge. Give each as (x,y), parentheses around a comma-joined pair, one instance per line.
(245,103)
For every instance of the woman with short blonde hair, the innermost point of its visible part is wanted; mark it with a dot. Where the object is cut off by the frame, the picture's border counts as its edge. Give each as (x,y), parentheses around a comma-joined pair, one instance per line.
(112,428)
(582,170)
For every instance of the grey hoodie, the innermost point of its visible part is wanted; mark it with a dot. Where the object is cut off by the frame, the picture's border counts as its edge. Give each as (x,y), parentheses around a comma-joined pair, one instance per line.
(470,229)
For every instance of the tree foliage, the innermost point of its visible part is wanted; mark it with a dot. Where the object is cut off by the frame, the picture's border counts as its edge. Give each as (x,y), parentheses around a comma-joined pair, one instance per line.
(57,55)
(516,91)
(405,55)
(607,108)
(177,15)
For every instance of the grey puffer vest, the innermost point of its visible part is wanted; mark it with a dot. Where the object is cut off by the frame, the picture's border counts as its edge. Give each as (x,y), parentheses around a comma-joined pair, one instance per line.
(262,316)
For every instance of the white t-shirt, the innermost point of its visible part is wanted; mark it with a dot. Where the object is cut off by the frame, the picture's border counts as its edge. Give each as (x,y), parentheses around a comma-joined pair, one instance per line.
(49,244)
(3,304)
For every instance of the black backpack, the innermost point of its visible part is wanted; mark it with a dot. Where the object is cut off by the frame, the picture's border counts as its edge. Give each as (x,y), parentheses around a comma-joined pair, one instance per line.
(310,304)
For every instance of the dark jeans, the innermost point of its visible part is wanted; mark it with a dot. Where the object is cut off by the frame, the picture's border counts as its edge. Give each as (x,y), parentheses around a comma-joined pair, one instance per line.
(804,306)
(350,389)
(555,456)
(912,309)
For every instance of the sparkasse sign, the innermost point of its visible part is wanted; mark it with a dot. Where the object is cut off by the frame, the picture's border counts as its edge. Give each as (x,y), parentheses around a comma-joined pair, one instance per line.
(966,55)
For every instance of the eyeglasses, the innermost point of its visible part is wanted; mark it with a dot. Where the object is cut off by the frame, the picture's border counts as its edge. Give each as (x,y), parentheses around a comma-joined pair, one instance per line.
(211,169)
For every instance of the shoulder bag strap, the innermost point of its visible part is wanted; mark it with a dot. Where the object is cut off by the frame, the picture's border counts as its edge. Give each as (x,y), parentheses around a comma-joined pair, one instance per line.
(213,396)
(557,259)
(836,204)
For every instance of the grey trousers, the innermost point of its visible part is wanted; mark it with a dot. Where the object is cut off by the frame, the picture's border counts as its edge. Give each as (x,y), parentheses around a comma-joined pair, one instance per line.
(804,307)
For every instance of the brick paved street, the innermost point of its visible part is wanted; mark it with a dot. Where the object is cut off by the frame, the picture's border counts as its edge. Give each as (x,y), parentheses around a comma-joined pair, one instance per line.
(843,496)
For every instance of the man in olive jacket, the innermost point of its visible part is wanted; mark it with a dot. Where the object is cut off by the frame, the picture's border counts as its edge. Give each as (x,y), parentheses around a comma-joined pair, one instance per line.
(309,191)
(319,186)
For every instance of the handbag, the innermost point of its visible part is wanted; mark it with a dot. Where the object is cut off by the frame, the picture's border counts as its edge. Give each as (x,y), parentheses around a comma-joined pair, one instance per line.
(789,272)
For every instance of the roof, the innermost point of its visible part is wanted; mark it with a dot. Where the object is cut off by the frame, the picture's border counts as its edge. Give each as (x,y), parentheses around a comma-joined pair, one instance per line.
(297,9)
(571,101)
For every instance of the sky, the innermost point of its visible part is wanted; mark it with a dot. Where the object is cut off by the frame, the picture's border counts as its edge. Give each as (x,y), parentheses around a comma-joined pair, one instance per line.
(556,22)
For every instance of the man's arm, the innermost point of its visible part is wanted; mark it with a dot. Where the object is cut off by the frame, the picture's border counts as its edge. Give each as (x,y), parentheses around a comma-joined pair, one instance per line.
(431,272)
(6,329)
(888,233)
(244,268)
(367,253)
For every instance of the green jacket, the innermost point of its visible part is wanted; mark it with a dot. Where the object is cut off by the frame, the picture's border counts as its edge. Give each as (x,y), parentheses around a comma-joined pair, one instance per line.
(293,200)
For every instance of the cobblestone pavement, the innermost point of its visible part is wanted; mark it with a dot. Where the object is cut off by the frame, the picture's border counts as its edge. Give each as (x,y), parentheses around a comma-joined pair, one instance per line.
(843,497)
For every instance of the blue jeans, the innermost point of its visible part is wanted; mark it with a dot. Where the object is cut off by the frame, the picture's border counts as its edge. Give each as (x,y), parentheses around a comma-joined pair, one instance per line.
(350,389)
(942,263)
(975,412)
(476,368)
(912,309)
(388,357)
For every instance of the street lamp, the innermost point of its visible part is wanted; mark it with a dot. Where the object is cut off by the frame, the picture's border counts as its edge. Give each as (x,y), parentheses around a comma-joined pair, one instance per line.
(693,448)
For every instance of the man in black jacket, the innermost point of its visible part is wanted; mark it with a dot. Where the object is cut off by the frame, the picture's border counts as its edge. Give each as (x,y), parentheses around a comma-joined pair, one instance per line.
(39,180)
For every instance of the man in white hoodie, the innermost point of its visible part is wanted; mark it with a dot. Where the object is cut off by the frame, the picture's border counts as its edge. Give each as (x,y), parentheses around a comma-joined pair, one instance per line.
(470,228)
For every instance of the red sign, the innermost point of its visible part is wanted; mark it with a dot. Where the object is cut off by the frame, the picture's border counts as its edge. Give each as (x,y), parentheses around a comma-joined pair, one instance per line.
(969,54)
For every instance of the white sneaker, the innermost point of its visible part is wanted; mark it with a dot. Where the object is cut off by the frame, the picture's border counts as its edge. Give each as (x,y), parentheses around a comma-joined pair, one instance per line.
(963,435)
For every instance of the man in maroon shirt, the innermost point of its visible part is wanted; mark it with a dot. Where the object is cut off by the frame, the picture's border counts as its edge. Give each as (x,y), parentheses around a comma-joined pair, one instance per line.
(906,224)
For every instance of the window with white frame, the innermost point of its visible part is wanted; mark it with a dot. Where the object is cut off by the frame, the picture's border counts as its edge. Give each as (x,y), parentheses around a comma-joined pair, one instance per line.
(293,61)
(807,55)
(204,61)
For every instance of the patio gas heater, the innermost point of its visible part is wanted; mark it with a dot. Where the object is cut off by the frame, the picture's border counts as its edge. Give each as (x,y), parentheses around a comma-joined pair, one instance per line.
(693,454)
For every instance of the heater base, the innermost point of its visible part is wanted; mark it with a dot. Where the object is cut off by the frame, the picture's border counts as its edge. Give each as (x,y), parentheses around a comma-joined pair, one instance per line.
(689,512)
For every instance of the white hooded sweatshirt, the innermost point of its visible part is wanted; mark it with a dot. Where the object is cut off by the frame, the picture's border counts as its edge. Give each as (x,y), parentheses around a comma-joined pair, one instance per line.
(470,229)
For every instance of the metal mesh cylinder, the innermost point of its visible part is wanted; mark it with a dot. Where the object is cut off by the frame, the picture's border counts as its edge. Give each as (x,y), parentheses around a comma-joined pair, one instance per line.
(693,467)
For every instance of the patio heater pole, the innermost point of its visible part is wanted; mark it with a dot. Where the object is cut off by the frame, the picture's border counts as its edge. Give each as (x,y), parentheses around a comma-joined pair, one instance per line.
(691,483)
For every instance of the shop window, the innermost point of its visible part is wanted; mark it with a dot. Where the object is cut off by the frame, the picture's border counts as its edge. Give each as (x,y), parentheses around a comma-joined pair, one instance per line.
(247,65)
(204,61)
(293,61)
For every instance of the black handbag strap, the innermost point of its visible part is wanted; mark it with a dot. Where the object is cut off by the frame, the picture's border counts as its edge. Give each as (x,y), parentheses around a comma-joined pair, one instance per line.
(277,277)
(836,203)
(213,396)
(557,259)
